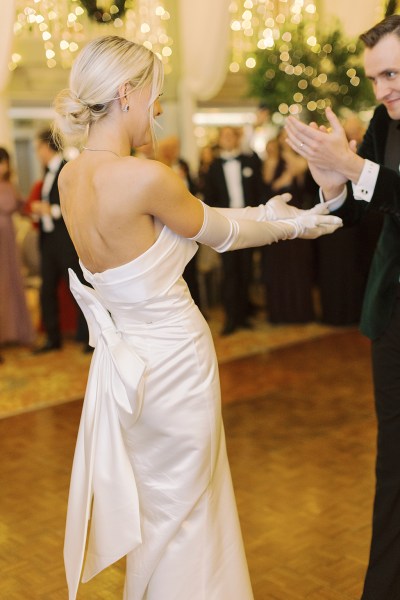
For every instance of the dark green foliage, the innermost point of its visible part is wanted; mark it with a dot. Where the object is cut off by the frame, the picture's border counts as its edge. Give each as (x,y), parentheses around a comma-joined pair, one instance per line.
(322,70)
(99,14)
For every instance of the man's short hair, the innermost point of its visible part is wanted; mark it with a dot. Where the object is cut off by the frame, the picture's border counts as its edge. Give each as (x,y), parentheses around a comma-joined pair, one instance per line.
(46,136)
(377,32)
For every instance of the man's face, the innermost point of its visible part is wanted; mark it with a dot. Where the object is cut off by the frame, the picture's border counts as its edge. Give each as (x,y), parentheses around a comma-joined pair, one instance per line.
(228,139)
(382,67)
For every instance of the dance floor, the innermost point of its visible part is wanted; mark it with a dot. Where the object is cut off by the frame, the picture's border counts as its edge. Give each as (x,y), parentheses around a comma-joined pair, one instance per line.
(300,430)
(29,382)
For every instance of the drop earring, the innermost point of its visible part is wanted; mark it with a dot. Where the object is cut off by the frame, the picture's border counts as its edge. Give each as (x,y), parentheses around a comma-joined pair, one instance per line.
(125,108)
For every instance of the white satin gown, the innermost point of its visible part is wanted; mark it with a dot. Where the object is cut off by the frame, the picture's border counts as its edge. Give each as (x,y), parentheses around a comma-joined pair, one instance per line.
(150,469)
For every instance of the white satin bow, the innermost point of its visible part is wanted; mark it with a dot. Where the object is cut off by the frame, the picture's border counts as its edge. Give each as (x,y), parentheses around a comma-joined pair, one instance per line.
(101,469)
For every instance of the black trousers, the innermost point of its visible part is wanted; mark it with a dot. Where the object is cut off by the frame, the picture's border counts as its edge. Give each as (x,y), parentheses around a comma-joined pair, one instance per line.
(56,257)
(236,279)
(382,581)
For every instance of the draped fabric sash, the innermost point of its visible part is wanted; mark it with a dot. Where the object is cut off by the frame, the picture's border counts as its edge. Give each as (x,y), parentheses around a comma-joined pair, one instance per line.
(103,487)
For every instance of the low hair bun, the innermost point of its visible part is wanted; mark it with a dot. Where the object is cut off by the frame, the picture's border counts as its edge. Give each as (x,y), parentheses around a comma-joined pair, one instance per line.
(73,115)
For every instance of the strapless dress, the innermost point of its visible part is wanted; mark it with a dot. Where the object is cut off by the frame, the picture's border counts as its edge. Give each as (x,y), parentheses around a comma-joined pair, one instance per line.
(150,477)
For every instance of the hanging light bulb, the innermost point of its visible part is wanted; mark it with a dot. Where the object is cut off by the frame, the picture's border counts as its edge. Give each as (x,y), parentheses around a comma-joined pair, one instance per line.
(64,26)
(260,24)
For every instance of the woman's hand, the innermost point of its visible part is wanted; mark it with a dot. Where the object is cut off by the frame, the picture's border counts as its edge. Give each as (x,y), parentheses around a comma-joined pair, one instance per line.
(278,207)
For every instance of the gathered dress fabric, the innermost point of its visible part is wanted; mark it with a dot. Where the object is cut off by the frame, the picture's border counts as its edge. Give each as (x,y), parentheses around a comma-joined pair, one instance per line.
(150,469)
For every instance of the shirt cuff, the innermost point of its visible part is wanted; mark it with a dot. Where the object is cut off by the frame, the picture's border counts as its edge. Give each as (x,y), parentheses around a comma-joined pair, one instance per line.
(365,187)
(55,211)
(336,202)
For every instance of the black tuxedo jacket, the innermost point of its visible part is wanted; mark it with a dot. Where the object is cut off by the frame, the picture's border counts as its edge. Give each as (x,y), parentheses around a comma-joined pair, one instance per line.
(383,280)
(60,229)
(216,191)
(58,241)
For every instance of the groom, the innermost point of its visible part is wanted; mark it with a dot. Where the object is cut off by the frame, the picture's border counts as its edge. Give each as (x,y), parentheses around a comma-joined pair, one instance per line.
(355,183)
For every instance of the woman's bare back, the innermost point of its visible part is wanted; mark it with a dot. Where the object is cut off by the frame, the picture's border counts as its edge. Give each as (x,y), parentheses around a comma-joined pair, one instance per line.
(104,214)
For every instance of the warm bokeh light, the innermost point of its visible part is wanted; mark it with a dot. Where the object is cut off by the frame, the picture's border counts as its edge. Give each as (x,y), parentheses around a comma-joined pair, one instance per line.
(262,23)
(66,25)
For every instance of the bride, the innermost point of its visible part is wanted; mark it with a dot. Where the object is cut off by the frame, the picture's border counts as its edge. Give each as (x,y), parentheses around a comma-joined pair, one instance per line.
(150,467)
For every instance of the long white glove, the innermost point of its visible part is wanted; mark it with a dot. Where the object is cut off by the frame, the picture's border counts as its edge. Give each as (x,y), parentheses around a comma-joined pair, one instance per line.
(275,208)
(222,233)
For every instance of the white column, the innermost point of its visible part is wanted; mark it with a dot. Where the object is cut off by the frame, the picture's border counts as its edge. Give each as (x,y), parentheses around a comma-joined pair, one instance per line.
(6,37)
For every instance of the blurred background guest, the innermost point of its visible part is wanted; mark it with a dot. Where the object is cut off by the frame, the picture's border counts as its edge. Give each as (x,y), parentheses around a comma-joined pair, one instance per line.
(288,269)
(257,134)
(15,320)
(208,260)
(207,154)
(57,252)
(234,181)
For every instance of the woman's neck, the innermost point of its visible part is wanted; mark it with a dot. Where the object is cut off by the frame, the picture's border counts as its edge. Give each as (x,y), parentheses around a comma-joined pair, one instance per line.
(108,138)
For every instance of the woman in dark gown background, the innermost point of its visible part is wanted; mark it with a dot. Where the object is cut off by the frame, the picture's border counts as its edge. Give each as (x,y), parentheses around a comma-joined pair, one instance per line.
(288,269)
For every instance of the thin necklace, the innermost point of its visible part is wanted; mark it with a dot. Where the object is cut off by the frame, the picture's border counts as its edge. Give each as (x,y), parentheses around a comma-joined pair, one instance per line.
(100,150)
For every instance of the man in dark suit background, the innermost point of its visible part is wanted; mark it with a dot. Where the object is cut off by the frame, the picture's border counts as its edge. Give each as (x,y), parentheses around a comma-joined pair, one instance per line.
(233,181)
(373,182)
(57,252)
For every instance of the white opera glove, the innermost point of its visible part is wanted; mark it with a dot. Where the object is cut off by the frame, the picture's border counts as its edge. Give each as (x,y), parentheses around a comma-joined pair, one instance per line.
(311,226)
(223,233)
(275,208)
(262,212)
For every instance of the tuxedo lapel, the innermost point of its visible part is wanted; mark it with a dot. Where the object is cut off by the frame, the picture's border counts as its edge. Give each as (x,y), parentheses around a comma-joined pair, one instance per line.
(381,137)
(54,195)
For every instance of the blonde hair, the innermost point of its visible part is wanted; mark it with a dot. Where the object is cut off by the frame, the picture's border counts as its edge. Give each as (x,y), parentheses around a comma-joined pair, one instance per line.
(101,67)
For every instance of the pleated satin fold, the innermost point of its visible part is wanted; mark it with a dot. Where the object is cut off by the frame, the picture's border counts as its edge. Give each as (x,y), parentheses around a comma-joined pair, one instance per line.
(103,486)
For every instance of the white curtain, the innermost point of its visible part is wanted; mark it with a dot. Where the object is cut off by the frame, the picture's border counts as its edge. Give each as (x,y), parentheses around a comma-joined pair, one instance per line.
(355,17)
(6,38)
(204,49)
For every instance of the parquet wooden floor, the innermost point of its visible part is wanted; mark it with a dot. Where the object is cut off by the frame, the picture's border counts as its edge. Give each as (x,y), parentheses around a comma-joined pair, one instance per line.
(301,438)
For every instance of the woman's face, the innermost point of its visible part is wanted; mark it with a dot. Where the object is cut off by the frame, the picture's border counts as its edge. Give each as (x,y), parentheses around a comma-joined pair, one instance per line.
(139,108)
(228,139)
(4,169)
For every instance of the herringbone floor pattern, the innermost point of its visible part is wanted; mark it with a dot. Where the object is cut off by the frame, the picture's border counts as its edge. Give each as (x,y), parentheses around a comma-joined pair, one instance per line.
(301,438)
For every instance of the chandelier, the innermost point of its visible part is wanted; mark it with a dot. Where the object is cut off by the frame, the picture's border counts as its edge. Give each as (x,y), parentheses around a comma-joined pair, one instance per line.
(64,26)
(261,24)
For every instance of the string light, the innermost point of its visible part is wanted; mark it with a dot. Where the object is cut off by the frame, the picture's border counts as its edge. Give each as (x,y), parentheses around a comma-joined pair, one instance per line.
(64,26)
(261,24)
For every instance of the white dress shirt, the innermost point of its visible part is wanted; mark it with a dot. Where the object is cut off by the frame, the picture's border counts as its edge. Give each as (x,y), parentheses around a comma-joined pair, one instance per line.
(55,209)
(233,177)
(362,190)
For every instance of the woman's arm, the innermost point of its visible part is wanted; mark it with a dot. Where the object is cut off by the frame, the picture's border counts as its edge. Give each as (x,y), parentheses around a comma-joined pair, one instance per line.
(166,198)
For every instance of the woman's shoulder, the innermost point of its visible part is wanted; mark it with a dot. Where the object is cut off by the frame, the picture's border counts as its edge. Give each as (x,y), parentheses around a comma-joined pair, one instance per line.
(144,173)
(132,168)
(110,170)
